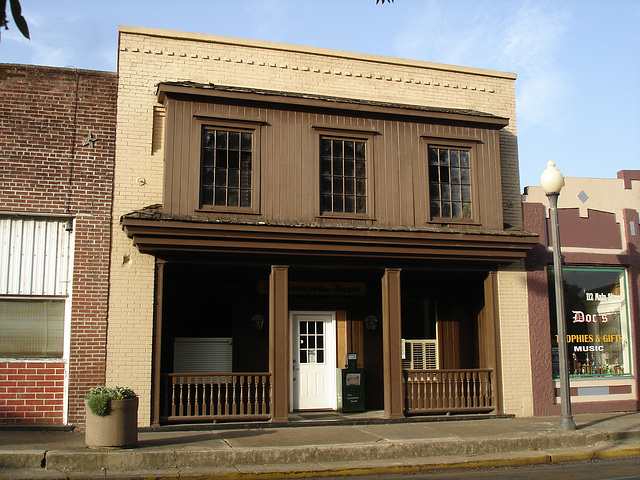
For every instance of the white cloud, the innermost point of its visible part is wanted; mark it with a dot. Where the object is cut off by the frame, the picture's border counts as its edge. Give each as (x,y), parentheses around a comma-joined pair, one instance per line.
(531,46)
(533,34)
(523,37)
(461,33)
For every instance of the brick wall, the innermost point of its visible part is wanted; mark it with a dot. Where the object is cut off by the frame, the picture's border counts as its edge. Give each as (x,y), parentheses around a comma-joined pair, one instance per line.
(47,166)
(31,392)
(147,57)
(514,339)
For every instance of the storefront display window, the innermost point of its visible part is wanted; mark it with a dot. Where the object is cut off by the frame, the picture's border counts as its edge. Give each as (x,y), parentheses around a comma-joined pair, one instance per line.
(597,321)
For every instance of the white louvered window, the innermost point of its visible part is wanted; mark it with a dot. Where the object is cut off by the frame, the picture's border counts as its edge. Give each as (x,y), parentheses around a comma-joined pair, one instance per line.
(34,285)
(419,354)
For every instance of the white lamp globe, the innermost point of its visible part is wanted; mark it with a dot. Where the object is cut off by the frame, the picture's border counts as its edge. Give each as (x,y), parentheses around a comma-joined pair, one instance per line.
(551,179)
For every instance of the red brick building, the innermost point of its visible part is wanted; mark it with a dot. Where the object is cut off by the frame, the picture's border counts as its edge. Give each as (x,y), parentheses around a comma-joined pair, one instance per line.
(57,143)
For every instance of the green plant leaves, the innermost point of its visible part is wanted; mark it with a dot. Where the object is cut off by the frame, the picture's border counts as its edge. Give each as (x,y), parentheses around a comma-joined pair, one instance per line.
(98,404)
(99,398)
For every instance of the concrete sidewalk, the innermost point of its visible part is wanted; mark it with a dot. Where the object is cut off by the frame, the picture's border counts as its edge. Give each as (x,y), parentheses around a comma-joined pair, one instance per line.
(306,448)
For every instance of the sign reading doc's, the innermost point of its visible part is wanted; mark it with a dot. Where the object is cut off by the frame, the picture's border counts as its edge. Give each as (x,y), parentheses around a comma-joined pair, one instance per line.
(597,321)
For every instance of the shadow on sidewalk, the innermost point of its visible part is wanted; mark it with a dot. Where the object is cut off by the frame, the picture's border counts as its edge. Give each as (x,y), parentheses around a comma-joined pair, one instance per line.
(193,438)
(607,419)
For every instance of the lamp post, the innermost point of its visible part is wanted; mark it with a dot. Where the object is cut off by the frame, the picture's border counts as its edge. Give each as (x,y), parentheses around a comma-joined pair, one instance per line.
(552,182)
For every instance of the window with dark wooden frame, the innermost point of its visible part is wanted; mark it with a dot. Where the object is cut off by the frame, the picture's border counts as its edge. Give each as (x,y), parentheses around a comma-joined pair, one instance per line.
(450,183)
(226,172)
(343,175)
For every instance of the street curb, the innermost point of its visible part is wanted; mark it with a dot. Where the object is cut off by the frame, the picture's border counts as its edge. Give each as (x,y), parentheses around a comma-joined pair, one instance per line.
(318,454)
(23,459)
(148,472)
(90,460)
(170,458)
(540,459)
(295,459)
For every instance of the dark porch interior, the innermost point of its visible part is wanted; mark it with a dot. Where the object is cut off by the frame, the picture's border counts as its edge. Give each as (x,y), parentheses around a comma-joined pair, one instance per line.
(219,301)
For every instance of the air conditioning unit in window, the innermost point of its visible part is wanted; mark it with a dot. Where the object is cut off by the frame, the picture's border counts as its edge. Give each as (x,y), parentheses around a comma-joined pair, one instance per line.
(419,354)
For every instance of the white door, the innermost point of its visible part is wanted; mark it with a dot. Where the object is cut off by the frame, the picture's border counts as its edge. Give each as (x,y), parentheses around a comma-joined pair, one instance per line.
(313,359)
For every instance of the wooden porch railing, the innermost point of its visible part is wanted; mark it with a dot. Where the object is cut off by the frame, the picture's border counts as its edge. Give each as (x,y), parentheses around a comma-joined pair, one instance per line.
(216,396)
(448,391)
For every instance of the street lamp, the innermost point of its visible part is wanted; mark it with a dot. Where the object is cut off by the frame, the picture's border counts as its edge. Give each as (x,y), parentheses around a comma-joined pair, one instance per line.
(552,182)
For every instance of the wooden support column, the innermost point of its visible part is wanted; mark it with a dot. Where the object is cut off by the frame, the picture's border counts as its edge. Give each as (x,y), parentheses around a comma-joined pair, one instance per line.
(391,344)
(489,336)
(279,342)
(156,369)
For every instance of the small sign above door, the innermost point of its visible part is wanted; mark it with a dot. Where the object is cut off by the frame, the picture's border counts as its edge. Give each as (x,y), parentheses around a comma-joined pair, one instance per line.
(320,288)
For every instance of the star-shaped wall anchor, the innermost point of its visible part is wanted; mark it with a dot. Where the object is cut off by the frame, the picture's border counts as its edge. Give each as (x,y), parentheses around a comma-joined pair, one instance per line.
(90,140)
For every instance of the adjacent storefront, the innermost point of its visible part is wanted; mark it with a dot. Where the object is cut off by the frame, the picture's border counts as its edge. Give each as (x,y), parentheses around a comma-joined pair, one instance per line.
(597,322)
(598,221)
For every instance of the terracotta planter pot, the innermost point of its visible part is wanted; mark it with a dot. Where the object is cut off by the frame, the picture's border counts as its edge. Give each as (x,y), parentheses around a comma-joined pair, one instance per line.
(118,429)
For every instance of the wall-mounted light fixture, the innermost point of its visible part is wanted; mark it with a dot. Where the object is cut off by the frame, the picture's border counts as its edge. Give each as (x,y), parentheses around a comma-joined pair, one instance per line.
(370,322)
(257,321)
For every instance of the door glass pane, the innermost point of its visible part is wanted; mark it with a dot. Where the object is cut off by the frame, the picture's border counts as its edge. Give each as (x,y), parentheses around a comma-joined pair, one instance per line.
(311,342)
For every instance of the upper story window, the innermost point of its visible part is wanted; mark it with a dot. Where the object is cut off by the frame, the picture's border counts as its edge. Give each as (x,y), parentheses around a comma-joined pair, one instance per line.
(227,166)
(343,176)
(450,183)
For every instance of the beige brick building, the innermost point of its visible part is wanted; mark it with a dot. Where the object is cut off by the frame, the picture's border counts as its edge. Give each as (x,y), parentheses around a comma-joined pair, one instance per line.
(168,80)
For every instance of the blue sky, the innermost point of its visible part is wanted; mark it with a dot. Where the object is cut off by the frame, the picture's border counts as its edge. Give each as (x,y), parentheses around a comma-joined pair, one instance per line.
(578,61)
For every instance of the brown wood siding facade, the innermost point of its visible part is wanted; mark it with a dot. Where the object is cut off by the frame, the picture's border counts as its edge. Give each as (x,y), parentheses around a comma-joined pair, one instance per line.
(287,161)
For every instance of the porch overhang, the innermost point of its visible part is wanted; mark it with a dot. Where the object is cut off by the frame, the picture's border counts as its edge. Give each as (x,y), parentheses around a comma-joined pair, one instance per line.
(162,235)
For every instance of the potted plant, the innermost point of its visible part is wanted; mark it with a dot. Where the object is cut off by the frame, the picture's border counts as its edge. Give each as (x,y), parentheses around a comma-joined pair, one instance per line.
(111,417)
